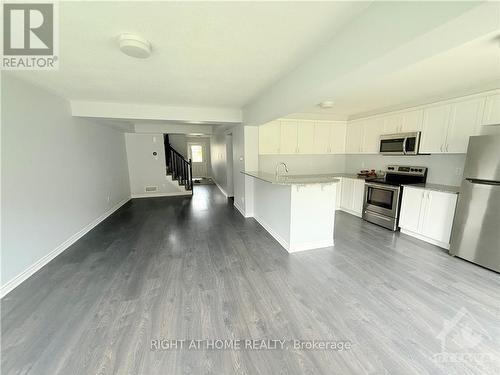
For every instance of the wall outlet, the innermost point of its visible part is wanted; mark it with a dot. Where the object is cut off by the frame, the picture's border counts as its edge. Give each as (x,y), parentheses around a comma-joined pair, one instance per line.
(458,171)
(108,198)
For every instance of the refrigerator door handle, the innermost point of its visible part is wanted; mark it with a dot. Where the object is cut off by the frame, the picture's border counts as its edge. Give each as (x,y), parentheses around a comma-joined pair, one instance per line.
(483,182)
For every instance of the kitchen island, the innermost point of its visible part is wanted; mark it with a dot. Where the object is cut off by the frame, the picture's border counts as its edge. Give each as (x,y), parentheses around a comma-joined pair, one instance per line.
(297,210)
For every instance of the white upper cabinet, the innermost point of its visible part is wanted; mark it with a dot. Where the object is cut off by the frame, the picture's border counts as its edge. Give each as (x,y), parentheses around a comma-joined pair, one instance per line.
(372,128)
(322,133)
(434,128)
(269,138)
(354,137)
(412,121)
(465,121)
(404,122)
(305,137)
(288,144)
(447,128)
(393,124)
(337,138)
(492,110)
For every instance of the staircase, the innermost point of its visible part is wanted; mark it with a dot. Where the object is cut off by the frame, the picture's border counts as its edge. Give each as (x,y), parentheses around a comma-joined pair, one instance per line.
(177,166)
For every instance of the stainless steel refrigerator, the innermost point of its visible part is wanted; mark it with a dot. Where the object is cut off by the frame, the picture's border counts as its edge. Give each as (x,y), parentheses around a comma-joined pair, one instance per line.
(476,228)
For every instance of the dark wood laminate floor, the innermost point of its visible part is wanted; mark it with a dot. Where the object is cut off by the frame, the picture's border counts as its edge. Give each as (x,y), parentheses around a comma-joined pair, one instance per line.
(182,268)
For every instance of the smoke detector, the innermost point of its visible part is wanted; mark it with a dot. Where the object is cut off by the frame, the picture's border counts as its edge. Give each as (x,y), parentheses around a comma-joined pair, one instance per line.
(326,104)
(135,46)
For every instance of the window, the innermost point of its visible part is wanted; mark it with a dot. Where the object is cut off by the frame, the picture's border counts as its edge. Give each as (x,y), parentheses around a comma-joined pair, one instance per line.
(196,153)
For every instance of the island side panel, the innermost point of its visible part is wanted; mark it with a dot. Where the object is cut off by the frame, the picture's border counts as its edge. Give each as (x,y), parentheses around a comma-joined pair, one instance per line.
(312,216)
(272,209)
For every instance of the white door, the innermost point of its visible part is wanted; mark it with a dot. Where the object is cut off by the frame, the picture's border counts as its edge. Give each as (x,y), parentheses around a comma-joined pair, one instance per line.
(434,129)
(372,128)
(322,138)
(339,194)
(337,138)
(288,139)
(358,196)
(464,122)
(393,123)
(492,110)
(411,206)
(197,154)
(438,219)
(347,193)
(305,137)
(412,121)
(354,137)
(269,138)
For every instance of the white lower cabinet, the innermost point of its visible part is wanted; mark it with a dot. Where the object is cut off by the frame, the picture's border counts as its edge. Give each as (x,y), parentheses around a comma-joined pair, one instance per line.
(428,215)
(352,195)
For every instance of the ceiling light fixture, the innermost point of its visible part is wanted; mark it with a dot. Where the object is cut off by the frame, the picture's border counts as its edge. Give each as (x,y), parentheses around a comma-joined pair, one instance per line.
(326,104)
(135,46)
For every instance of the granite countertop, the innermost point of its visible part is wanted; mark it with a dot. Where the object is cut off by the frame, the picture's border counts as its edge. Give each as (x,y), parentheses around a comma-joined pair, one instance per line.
(299,179)
(437,187)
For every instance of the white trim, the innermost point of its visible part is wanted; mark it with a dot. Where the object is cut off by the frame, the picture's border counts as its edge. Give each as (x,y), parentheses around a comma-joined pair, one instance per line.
(153,195)
(17,280)
(444,245)
(358,214)
(221,189)
(310,246)
(240,209)
(277,237)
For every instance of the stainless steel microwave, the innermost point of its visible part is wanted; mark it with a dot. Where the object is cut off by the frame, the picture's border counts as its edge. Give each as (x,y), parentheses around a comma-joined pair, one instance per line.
(399,144)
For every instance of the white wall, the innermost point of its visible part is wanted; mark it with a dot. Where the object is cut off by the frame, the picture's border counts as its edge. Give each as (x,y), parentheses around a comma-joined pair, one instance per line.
(59,174)
(219,159)
(145,169)
(251,163)
(179,143)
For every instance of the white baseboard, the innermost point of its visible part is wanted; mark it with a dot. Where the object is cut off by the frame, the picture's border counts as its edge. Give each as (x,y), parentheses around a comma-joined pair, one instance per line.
(444,245)
(276,236)
(310,246)
(221,189)
(17,280)
(240,209)
(152,195)
(358,214)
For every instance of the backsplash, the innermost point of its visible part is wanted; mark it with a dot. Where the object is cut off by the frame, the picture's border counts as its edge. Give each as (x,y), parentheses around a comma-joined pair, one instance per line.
(443,169)
(304,164)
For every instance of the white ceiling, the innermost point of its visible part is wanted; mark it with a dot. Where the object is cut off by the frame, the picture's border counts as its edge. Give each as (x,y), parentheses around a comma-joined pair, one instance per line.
(214,54)
(468,69)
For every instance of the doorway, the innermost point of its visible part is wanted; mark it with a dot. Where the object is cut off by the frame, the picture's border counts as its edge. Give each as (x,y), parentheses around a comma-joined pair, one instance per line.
(197,152)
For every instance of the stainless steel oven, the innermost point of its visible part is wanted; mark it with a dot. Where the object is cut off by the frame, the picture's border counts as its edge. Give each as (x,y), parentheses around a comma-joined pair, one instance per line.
(383,195)
(381,204)
(400,144)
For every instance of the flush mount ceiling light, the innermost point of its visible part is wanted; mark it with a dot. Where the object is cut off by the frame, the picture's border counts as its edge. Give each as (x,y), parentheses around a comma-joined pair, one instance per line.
(135,46)
(326,104)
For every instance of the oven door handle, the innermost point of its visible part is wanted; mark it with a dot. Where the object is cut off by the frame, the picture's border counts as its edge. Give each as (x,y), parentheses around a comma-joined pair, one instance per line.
(384,187)
(404,145)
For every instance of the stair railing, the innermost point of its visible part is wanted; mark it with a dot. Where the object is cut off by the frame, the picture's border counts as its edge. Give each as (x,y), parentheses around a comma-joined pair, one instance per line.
(179,167)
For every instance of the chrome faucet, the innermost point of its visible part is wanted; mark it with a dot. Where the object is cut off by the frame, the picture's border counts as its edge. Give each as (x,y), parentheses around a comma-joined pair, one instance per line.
(278,166)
